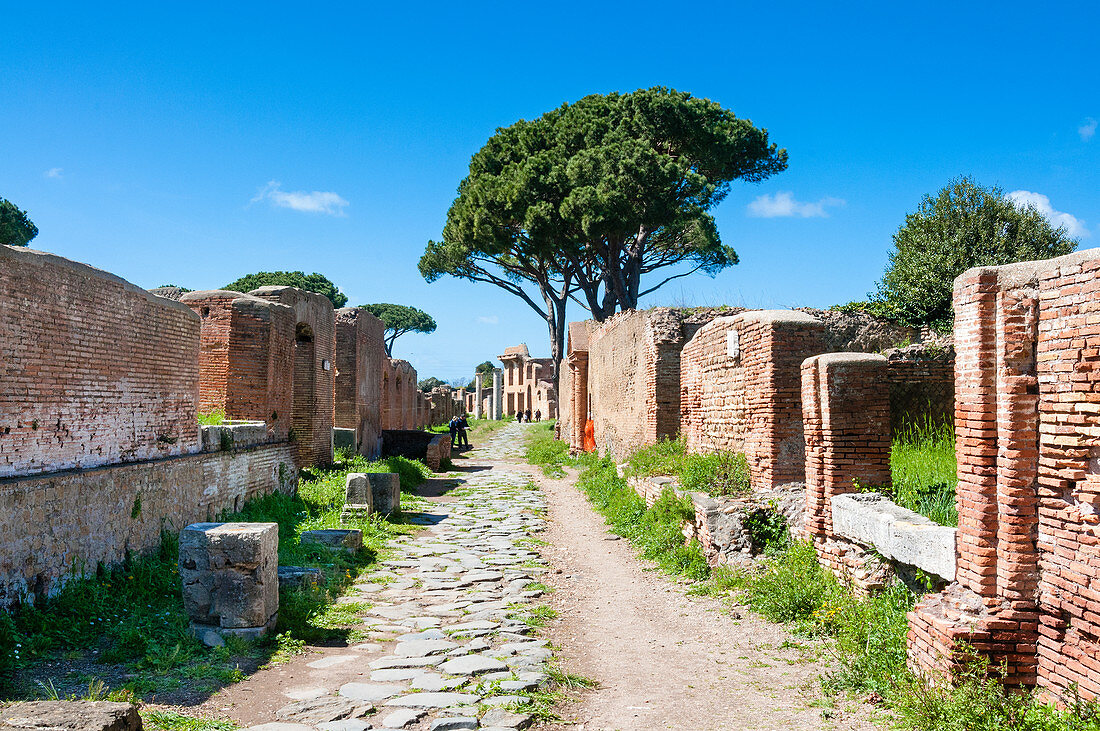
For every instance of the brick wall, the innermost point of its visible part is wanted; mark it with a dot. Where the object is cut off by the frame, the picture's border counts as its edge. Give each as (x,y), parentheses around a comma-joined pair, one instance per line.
(1027,438)
(314,369)
(846,422)
(93,370)
(401,399)
(922,385)
(634,379)
(740,386)
(359,354)
(64,520)
(245,358)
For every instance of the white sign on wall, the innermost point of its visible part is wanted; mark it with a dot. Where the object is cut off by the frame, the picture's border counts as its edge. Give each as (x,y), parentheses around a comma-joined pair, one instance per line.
(733,345)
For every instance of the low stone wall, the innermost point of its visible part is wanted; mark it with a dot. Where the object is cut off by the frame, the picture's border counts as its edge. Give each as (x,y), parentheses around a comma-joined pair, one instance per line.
(65,523)
(429,447)
(874,521)
(722,524)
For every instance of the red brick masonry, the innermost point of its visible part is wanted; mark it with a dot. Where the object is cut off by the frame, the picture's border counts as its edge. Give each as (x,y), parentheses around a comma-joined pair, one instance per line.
(93,370)
(1027,421)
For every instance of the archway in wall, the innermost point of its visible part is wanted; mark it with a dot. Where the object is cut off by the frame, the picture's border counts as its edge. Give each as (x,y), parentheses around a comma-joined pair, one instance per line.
(396,415)
(305,388)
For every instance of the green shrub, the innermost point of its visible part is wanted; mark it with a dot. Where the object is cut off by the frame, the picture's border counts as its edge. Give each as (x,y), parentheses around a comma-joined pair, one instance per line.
(214,418)
(719,473)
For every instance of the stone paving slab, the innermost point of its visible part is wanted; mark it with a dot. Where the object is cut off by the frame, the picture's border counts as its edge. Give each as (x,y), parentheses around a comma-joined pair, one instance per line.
(445,614)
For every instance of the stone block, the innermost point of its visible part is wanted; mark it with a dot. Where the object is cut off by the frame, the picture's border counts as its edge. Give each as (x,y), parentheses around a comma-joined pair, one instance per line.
(899,534)
(347,539)
(380,491)
(71,716)
(343,438)
(233,436)
(293,577)
(230,576)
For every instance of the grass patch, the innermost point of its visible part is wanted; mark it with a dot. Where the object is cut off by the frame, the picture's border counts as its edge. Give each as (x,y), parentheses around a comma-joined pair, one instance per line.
(546,450)
(172,721)
(128,622)
(656,530)
(923,471)
(482,428)
(721,473)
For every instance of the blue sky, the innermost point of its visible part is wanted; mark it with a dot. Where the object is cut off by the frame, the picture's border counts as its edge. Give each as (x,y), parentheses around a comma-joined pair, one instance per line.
(190,144)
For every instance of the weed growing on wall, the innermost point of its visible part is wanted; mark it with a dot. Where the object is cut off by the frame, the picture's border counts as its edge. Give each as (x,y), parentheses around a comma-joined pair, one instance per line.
(213,418)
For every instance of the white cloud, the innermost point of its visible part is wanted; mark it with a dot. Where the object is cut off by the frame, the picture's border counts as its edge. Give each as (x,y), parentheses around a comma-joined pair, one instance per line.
(1087,129)
(312,202)
(1022,198)
(53,173)
(491,320)
(784,205)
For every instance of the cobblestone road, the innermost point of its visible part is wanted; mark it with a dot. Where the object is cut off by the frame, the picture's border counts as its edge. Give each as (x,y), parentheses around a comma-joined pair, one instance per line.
(450,643)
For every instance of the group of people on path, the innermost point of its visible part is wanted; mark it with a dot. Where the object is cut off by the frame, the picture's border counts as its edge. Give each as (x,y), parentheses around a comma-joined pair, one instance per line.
(458,427)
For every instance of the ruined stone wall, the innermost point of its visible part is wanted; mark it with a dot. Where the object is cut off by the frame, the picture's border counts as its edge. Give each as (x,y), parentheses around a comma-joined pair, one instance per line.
(56,523)
(1027,425)
(401,398)
(846,422)
(359,354)
(634,379)
(246,365)
(314,400)
(93,370)
(922,386)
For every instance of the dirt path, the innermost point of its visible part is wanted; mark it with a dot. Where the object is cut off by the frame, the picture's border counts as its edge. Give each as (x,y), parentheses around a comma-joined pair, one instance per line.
(665,660)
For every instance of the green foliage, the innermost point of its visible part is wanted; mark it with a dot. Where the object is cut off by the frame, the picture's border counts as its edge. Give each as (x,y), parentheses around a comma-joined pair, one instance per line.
(315,282)
(15,228)
(399,320)
(875,308)
(173,721)
(923,471)
(214,418)
(428,384)
(720,473)
(962,226)
(980,701)
(546,450)
(656,531)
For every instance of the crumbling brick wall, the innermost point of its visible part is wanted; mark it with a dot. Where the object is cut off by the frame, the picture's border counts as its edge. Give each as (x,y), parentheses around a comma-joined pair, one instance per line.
(846,422)
(359,353)
(922,386)
(314,403)
(634,379)
(246,365)
(401,398)
(93,370)
(740,385)
(1027,425)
